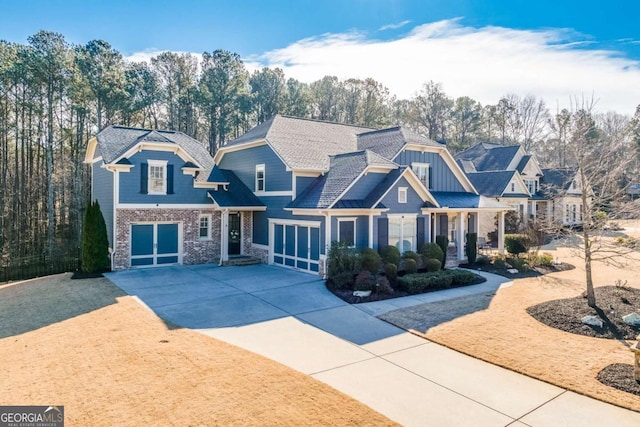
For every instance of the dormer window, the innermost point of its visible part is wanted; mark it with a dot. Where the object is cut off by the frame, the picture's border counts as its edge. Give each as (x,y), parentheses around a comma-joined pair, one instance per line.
(260,178)
(402,194)
(423,172)
(157,183)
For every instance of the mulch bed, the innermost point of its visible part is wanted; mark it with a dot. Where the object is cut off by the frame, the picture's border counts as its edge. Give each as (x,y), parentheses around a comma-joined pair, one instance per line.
(536,272)
(613,303)
(620,376)
(347,295)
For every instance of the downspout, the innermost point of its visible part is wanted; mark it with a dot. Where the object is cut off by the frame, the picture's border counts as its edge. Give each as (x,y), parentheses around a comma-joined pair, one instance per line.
(327,243)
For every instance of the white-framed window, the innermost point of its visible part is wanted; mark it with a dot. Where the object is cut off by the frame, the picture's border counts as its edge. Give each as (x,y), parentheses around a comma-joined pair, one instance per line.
(204,227)
(422,172)
(402,232)
(513,187)
(260,178)
(347,231)
(531,186)
(157,181)
(402,194)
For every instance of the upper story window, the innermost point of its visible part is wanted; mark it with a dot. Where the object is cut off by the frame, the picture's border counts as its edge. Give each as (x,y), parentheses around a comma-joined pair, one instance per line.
(513,187)
(402,194)
(531,186)
(157,183)
(205,227)
(423,172)
(260,178)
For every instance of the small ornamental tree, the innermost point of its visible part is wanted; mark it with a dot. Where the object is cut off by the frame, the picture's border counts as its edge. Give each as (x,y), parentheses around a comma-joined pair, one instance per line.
(95,244)
(472,247)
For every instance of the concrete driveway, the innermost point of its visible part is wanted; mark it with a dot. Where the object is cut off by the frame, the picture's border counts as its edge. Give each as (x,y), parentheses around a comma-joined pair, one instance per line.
(290,317)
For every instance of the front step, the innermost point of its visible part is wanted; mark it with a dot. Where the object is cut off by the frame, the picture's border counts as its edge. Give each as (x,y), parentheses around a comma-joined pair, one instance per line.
(241,260)
(452,257)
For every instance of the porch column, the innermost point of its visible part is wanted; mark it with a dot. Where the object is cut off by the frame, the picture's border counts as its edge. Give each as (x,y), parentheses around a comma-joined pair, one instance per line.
(224,236)
(501,232)
(534,210)
(370,231)
(460,226)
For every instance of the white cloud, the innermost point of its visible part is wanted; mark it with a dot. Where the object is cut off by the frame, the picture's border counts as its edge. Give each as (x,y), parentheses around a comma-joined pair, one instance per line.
(394,26)
(483,63)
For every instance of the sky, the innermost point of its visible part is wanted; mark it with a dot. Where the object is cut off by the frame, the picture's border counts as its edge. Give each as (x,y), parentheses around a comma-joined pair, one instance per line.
(560,50)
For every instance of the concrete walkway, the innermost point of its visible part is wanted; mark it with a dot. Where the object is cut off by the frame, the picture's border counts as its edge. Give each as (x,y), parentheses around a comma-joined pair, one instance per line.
(290,317)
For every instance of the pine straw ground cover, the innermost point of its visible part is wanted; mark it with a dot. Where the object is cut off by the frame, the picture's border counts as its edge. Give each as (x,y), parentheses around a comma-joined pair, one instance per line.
(85,345)
(501,331)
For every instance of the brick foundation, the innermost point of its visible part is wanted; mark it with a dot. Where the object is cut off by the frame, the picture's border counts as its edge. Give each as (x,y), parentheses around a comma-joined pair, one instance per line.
(194,250)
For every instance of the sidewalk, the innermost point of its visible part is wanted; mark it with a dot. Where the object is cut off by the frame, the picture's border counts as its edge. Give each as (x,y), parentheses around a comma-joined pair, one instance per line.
(411,380)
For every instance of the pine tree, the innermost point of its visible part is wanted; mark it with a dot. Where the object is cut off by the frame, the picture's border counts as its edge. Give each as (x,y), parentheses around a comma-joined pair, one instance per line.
(95,244)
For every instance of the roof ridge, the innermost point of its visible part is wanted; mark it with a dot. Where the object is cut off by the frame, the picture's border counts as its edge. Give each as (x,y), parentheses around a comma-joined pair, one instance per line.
(321,121)
(380,130)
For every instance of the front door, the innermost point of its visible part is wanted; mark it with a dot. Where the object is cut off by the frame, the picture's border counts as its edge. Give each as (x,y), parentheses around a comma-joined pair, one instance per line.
(234,234)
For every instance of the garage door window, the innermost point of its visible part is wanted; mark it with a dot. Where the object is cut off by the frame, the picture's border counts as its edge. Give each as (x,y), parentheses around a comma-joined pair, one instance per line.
(296,246)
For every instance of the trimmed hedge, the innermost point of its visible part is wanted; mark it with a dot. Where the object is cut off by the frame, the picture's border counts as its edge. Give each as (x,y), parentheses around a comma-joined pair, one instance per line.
(410,265)
(390,254)
(432,265)
(432,251)
(421,282)
(517,243)
(370,260)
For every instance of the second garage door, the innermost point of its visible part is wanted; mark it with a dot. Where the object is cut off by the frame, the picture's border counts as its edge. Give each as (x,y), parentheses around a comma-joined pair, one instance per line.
(155,244)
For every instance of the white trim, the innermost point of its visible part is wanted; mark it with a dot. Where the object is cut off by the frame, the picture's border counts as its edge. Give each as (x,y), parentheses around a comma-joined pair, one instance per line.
(354,221)
(316,212)
(260,168)
(162,164)
(402,218)
(154,255)
(273,193)
(209,218)
(402,195)
(427,166)
(310,173)
(379,169)
(96,160)
(417,186)
(370,231)
(190,171)
(121,168)
(304,223)
(91,151)
(237,147)
(294,258)
(159,146)
(212,185)
(163,206)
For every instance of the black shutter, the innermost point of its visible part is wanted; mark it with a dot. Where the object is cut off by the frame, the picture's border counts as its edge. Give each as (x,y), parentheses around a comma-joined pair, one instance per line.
(420,228)
(430,178)
(169,179)
(144,178)
(383,233)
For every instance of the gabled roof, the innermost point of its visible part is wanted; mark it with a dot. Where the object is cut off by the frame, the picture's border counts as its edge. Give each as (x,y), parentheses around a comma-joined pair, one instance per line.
(487,157)
(389,142)
(115,141)
(303,143)
(523,162)
(556,180)
(235,195)
(344,170)
(493,183)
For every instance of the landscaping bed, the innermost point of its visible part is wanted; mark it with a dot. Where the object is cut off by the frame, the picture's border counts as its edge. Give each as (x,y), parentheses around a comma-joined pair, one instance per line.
(620,376)
(531,272)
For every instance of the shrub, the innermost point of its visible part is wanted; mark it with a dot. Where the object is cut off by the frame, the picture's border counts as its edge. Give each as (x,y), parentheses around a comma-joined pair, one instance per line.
(463,277)
(342,280)
(365,282)
(370,260)
(415,283)
(410,255)
(441,279)
(482,260)
(383,286)
(520,264)
(472,247)
(391,272)
(516,243)
(499,262)
(410,266)
(545,259)
(390,254)
(432,265)
(432,251)
(95,243)
(443,242)
(341,259)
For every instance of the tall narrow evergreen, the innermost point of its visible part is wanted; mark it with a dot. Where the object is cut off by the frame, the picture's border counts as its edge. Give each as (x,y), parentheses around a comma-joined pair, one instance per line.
(95,244)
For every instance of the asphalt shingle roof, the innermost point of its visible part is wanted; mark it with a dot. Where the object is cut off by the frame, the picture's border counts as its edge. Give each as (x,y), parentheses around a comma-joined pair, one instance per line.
(236,195)
(388,142)
(344,170)
(304,143)
(114,141)
(523,163)
(488,157)
(555,180)
(491,184)
(459,200)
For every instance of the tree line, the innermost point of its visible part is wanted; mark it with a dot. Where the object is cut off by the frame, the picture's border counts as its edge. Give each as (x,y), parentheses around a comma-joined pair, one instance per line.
(54,96)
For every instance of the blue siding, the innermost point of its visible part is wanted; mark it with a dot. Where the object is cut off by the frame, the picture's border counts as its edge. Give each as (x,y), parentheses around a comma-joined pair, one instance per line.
(275,209)
(362,230)
(184,193)
(442,177)
(103,193)
(302,182)
(414,202)
(243,164)
(364,186)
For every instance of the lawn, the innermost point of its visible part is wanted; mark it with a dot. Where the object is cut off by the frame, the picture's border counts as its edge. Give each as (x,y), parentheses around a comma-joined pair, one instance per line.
(501,331)
(86,345)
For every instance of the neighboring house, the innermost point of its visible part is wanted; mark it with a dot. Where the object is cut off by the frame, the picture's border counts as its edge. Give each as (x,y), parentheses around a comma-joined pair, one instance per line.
(511,176)
(282,192)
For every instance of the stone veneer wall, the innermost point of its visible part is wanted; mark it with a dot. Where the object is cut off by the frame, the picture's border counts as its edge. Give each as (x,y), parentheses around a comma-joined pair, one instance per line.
(194,250)
(247,238)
